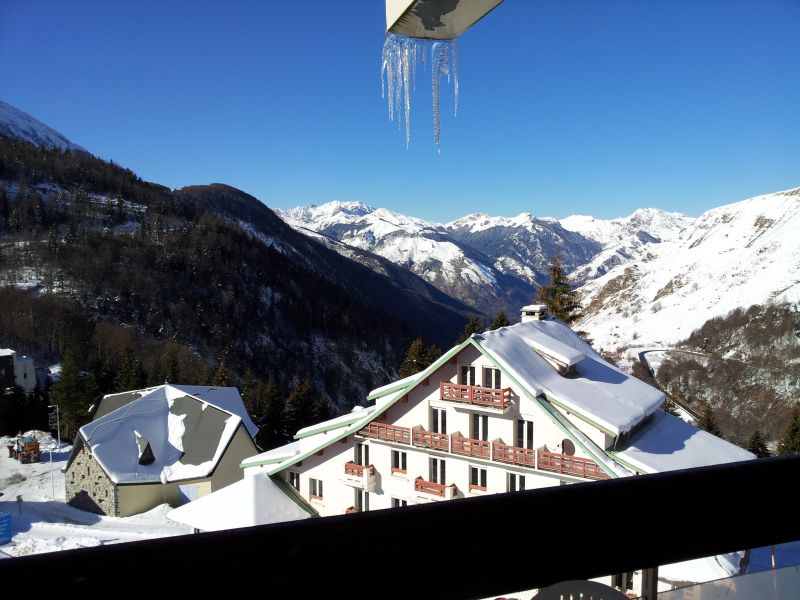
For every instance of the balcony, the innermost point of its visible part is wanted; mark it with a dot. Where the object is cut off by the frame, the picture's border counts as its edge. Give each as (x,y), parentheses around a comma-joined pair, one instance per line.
(499,399)
(470,447)
(570,465)
(360,476)
(435,491)
(513,455)
(431,439)
(387,433)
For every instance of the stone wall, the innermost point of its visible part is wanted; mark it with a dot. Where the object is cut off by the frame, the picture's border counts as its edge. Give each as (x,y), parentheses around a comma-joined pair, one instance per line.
(87,485)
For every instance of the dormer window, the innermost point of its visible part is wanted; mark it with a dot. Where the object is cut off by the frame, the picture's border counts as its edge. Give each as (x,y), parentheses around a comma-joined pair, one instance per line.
(562,357)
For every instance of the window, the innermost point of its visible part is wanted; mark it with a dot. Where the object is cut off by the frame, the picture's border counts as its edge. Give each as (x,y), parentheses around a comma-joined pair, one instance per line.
(294,480)
(515,483)
(437,470)
(480,427)
(467,375)
(315,489)
(525,434)
(491,378)
(477,479)
(438,420)
(398,461)
(397,502)
(361,455)
(361,500)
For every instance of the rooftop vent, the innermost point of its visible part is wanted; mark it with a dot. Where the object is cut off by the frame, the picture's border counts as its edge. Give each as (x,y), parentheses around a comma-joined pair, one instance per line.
(534,312)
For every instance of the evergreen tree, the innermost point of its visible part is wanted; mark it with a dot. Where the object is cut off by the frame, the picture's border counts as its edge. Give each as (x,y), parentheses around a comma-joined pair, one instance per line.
(708,422)
(501,320)
(559,296)
(431,355)
(790,441)
(221,376)
(67,394)
(419,357)
(472,326)
(758,445)
(303,407)
(271,432)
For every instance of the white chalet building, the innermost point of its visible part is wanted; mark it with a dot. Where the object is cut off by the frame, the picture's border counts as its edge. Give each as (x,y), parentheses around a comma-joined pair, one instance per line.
(522,407)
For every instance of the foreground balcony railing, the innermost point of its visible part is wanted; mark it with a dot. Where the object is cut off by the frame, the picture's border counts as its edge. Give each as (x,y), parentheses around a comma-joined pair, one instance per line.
(387,433)
(570,465)
(431,439)
(769,495)
(470,447)
(514,455)
(471,394)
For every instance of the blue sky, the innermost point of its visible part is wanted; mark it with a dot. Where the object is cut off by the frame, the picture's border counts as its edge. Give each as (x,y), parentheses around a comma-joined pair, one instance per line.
(565,106)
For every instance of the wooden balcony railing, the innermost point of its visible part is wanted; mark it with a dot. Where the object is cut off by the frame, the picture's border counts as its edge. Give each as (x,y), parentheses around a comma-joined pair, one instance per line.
(435,489)
(470,394)
(355,470)
(351,510)
(470,447)
(387,433)
(570,465)
(431,439)
(514,455)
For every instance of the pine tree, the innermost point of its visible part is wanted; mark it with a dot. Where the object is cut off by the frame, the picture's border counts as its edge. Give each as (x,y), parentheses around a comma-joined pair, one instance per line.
(472,326)
(501,320)
(709,423)
(559,296)
(221,376)
(302,407)
(271,426)
(790,441)
(67,394)
(419,357)
(758,445)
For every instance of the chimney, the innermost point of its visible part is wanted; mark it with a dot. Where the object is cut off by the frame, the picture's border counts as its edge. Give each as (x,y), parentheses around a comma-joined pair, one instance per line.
(534,312)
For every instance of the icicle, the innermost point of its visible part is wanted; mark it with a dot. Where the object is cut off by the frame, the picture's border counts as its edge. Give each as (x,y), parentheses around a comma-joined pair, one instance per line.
(398,75)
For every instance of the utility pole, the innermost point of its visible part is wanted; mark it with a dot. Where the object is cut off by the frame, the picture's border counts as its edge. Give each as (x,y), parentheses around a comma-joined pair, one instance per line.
(58,423)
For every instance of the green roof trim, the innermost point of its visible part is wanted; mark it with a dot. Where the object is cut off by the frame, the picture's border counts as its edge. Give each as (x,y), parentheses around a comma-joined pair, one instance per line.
(615,455)
(328,425)
(292,494)
(581,416)
(387,389)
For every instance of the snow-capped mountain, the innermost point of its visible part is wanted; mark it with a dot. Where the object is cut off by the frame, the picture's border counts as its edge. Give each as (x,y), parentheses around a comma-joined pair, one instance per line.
(735,255)
(19,125)
(522,246)
(625,239)
(426,249)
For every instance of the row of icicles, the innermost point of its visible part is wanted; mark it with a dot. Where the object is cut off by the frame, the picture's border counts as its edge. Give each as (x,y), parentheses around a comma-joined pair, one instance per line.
(398,70)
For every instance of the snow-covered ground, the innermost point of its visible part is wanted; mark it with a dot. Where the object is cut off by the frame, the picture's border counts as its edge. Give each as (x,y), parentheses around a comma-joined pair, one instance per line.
(42,522)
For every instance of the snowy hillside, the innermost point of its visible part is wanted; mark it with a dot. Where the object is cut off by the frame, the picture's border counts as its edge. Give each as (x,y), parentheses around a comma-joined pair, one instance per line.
(624,239)
(424,248)
(19,125)
(523,245)
(735,255)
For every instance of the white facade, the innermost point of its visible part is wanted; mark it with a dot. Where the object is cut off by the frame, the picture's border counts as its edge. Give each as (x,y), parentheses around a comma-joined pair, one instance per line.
(24,371)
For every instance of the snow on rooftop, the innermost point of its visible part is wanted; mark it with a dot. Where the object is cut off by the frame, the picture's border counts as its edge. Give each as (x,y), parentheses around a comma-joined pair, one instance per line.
(275,455)
(669,443)
(7,352)
(252,501)
(226,398)
(599,391)
(187,437)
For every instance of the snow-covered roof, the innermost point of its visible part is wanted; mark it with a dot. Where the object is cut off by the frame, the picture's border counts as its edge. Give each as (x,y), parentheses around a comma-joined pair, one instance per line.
(668,443)
(256,500)
(7,352)
(165,435)
(358,414)
(226,398)
(534,308)
(597,391)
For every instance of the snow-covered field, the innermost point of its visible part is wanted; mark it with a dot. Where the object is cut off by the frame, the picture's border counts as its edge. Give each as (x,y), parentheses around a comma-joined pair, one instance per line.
(42,522)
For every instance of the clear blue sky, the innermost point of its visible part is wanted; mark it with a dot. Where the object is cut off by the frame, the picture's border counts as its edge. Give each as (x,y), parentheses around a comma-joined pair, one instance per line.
(566,107)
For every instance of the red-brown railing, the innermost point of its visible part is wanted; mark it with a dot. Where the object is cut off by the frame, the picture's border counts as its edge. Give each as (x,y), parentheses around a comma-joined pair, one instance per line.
(351,510)
(570,465)
(355,470)
(431,439)
(399,470)
(514,455)
(387,433)
(470,447)
(471,394)
(429,487)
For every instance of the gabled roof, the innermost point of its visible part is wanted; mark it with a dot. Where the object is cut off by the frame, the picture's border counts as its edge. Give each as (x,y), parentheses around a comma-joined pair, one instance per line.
(186,436)
(668,443)
(256,500)
(226,398)
(597,391)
